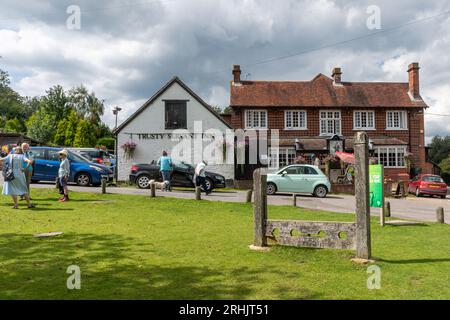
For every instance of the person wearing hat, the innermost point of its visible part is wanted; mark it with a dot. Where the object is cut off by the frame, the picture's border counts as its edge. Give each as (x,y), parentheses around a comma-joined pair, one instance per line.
(200,176)
(64,174)
(17,186)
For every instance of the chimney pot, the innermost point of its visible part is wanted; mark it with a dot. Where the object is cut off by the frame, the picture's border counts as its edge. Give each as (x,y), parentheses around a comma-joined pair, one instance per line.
(237,73)
(413,80)
(336,75)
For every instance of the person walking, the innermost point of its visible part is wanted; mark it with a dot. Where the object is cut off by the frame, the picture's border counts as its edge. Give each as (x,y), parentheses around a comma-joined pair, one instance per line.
(64,174)
(165,167)
(28,172)
(17,186)
(200,176)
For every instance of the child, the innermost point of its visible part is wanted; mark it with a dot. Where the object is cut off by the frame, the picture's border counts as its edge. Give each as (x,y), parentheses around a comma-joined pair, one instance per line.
(64,174)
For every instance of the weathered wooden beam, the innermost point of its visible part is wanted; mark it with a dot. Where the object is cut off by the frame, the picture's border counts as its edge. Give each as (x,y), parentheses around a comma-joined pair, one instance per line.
(363,238)
(259,208)
(440,215)
(152,189)
(248,198)
(198,193)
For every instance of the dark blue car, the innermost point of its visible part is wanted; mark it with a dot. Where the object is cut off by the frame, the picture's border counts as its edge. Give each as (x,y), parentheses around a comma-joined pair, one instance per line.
(82,171)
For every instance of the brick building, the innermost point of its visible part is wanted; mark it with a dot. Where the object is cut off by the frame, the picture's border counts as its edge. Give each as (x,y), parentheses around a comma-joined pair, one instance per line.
(313,113)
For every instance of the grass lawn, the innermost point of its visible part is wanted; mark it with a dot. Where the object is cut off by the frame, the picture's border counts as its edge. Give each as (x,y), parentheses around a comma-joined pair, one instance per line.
(135,247)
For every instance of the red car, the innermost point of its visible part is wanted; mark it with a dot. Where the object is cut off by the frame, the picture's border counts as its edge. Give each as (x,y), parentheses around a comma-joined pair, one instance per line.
(428,184)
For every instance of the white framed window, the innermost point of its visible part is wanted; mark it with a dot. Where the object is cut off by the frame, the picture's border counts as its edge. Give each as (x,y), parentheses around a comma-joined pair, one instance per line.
(280,157)
(255,119)
(391,156)
(295,120)
(396,120)
(363,120)
(330,122)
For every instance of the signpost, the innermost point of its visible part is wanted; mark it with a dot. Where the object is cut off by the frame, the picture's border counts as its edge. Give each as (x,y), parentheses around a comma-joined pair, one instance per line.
(376,174)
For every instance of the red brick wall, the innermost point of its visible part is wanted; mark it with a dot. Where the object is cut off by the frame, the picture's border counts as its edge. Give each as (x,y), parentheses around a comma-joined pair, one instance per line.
(414,136)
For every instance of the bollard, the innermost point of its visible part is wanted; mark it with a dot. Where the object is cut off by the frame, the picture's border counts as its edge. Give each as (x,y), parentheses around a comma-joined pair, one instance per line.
(249,196)
(387,209)
(440,215)
(198,193)
(152,190)
(103,186)
(294,200)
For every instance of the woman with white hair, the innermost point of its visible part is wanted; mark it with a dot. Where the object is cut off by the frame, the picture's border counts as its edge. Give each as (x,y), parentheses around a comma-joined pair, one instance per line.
(15,183)
(28,172)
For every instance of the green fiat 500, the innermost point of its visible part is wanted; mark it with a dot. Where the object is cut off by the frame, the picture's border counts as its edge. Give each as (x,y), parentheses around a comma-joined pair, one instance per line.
(299,178)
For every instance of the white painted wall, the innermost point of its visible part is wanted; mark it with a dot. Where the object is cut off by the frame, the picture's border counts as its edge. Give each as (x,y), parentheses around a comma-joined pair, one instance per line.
(152,120)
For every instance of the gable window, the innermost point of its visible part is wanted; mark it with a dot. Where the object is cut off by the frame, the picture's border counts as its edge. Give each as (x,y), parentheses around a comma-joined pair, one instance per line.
(391,157)
(280,157)
(330,123)
(295,120)
(256,119)
(364,120)
(175,115)
(396,120)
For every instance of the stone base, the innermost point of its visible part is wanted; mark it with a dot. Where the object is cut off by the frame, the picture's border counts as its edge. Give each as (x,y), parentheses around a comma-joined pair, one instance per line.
(260,249)
(363,261)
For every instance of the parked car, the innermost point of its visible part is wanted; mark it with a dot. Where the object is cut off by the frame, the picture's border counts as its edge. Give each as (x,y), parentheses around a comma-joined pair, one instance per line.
(182,176)
(82,171)
(428,184)
(95,155)
(299,178)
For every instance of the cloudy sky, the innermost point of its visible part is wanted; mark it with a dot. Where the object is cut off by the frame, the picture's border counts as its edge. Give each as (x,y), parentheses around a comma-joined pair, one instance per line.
(125,50)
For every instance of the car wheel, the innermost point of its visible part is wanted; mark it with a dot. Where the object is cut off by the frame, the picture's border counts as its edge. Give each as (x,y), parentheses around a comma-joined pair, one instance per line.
(209,185)
(271,188)
(143,181)
(320,191)
(83,179)
(418,192)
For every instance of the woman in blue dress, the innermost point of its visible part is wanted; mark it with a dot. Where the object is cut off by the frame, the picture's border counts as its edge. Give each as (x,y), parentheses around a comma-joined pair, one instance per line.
(18,186)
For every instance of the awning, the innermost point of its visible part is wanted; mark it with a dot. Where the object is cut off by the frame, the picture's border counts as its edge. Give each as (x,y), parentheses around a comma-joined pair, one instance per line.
(346,157)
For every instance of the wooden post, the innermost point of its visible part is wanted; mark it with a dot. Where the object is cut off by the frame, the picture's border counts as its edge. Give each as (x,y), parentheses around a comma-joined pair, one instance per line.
(440,215)
(152,190)
(294,200)
(249,196)
(103,186)
(363,241)
(198,193)
(260,208)
(387,209)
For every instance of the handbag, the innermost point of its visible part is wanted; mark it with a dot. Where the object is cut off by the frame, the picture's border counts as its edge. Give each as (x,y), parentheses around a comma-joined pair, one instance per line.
(8,173)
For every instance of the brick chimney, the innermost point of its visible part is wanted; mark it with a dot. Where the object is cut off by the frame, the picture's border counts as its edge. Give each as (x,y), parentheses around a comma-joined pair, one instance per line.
(336,75)
(413,71)
(237,74)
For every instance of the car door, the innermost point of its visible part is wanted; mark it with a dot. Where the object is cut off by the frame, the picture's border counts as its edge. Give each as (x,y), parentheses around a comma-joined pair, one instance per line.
(292,181)
(182,175)
(51,165)
(310,179)
(413,184)
(39,165)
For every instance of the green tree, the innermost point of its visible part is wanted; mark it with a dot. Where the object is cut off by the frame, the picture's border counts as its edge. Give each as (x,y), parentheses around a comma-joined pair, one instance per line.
(14,126)
(86,104)
(55,102)
(445,169)
(11,103)
(84,136)
(108,142)
(60,135)
(41,126)
(71,128)
(439,148)
(227,110)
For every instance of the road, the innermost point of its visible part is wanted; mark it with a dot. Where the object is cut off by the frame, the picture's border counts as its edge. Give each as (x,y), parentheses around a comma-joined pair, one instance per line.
(420,209)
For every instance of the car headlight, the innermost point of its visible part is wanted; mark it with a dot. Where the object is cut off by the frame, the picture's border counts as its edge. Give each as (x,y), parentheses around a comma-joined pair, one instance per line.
(96,168)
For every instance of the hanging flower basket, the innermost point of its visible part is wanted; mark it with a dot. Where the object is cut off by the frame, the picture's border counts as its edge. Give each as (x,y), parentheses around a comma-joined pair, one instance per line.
(129,148)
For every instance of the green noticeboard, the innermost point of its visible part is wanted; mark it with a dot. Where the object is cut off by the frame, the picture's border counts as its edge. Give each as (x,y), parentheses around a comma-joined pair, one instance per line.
(376,185)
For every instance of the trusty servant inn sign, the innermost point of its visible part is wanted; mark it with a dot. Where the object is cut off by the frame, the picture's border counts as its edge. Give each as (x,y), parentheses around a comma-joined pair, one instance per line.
(173,136)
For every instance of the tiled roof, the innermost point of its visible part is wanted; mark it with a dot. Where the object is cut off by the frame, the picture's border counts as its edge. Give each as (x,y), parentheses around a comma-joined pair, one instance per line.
(321,92)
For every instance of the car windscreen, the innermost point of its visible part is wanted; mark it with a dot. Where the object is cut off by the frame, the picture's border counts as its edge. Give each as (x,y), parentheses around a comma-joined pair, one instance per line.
(432,179)
(77,157)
